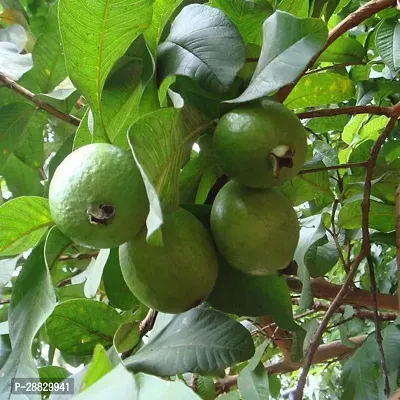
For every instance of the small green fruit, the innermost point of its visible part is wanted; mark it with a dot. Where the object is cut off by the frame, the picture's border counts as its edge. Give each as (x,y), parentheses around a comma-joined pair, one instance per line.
(97,196)
(176,276)
(260,146)
(255,230)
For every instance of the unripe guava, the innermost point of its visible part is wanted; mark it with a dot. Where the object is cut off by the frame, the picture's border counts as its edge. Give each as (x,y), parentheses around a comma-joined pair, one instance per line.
(256,230)
(260,146)
(97,196)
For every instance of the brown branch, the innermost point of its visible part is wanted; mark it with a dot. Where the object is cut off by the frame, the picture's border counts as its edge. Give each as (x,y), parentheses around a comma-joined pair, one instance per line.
(322,289)
(332,167)
(351,21)
(325,352)
(41,104)
(354,110)
(343,65)
(398,238)
(315,340)
(5,301)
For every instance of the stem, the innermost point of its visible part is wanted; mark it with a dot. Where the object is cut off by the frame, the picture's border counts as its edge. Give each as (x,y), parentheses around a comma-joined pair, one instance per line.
(332,167)
(330,112)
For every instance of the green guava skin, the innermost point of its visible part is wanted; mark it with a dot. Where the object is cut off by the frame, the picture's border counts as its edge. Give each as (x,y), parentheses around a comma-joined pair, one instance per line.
(94,175)
(256,230)
(245,138)
(176,276)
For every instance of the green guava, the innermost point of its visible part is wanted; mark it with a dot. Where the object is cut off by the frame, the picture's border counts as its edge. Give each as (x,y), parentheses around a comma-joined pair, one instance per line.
(260,146)
(97,196)
(256,230)
(176,276)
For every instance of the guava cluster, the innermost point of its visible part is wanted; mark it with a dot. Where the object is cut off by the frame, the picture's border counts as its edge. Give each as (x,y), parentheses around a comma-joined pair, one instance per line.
(98,199)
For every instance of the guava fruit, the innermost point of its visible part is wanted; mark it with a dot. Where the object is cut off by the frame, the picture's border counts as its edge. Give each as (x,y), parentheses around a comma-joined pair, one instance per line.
(97,196)
(256,230)
(176,276)
(260,145)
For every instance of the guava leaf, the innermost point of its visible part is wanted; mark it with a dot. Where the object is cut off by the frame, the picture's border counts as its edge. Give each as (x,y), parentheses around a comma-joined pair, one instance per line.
(381,216)
(162,11)
(7,267)
(96,271)
(161,142)
(13,64)
(94,37)
(76,326)
(203,45)
(289,43)
(362,375)
(298,8)
(387,39)
(23,221)
(32,302)
(48,57)
(247,16)
(120,383)
(319,89)
(343,50)
(199,340)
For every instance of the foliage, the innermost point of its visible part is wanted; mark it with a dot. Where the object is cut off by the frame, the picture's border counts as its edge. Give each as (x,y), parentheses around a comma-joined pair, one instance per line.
(153,77)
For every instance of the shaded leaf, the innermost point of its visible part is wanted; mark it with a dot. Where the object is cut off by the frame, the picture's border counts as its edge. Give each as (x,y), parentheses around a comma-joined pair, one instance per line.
(76,326)
(23,221)
(321,257)
(381,216)
(127,336)
(284,56)
(7,267)
(94,37)
(203,45)
(319,89)
(387,38)
(198,340)
(343,50)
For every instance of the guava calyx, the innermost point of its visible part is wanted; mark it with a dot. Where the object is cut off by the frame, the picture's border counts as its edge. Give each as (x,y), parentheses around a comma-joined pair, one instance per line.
(281,157)
(101,215)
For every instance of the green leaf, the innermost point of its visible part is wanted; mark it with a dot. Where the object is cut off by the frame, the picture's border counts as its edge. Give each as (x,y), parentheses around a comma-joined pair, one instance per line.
(120,383)
(7,267)
(14,121)
(162,12)
(362,375)
(23,221)
(284,56)
(21,179)
(325,124)
(198,340)
(381,216)
(116,289)
(247,16)
(298,8)
(325,153)
(247,295)
(56,244)
(94,271)
(203,45)
(343,50)
(206,387)
(48,58)
(321,257)
(94,37)
(353,127)
(127,336)
(387,38)
(53,374)
(98,367)
(161,142)
(83,135)
(319,89)
(76,326)
(32,302)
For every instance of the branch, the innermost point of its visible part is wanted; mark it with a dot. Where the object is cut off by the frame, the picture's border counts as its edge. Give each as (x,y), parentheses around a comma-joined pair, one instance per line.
(331,167)
(365,252)
(324,353)
(41,104)
(351,21)
(354,110)
(343,65)
(323,289)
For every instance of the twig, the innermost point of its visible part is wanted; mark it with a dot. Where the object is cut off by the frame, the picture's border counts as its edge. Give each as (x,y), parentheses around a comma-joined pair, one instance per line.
(365,251)
(343,65)
(398,237)
(5,301)
(333,167)
(334,233)
(354,110)
(315,341)
(41,104)
(351,21)
(333,350)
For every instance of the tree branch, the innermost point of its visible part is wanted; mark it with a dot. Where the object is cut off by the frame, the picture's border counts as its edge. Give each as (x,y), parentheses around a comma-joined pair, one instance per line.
(325,352)
(332,167)
(365,251)
(351,21)
(41,104)
(354,110)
